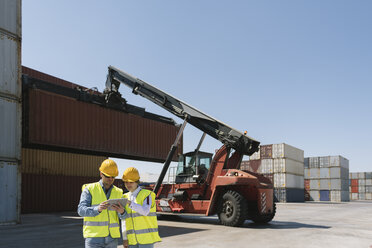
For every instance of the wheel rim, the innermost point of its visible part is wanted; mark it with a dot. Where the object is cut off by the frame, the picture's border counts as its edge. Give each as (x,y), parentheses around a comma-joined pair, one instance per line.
(228,208)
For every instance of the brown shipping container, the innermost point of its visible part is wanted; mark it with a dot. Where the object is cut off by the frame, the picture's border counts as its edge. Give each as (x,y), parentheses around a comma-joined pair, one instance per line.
(52,193)
(266,151)
(60,163)
(58,122)
(354,182)
(354,189)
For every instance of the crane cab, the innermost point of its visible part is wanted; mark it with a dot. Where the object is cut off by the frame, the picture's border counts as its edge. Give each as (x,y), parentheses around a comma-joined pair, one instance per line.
(193,167)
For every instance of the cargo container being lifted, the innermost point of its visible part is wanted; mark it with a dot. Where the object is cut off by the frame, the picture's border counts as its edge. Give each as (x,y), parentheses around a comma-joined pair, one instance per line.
(204,184)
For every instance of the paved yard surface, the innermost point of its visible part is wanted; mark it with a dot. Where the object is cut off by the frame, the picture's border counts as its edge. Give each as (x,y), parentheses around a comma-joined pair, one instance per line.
(295,225)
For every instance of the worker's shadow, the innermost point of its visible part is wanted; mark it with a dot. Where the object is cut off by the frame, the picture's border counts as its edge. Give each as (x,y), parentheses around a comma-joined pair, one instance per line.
(167,231)
(213,220)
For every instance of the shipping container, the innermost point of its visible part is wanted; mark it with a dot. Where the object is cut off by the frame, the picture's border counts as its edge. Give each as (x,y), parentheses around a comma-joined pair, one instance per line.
(266,151)
(314,195)
(289,194)
(324,195)
(354,189)
(314,184)
(307,184)
(287,151)
(362,182)
(324,161)
(306,163)
(353,175)
(324,173)
(361,175)
(267,166)
(354,182)
(339,161)
(283,180)
(286,165)
(362,196)
(60,163)
(339,184)
(354,196)
(314,162)
(10,129)
(368,175)
(339,172)
(339,196)
(368,189)
(325,184)
(368,196)
(368,182)
(255,156)
(9,192)
(362,189)
(10,17)
(314,173)
(76,126)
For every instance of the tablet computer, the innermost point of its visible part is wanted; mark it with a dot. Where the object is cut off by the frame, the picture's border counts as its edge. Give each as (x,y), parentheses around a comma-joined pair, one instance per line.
(122,201)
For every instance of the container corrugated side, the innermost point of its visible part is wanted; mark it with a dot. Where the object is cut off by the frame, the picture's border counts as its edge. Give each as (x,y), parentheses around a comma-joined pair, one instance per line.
(354,196)
(10,16)
(354,182)
(283,180)
(314,173)
(286,165)
(362,196)
(368,196)
(44,162)
(361,175)
(336,161)
(266,151)
(325,184)
(324,161)
(353,175)
(314,184)
(314,162)
(267,166)
(9,192)
(10,85)
(368,182)
(368,189)
(286,151)
(354,189)
(339,196)
(339,172)
(324,195)
(255,156)
(306,163)
(339,184)
(368,175)
(324,173)
(362,189)
(314,195)
(10,129)
(362,182)
(79,126)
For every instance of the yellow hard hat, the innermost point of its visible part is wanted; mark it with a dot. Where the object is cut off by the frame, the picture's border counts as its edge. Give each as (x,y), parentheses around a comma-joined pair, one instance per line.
(109,168)
(131,175)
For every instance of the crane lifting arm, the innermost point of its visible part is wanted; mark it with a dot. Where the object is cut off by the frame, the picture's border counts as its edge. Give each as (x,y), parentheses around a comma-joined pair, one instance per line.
(229,136)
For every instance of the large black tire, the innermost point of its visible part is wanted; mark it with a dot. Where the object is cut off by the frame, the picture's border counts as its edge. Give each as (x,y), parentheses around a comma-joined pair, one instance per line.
(261,218)
(232,209)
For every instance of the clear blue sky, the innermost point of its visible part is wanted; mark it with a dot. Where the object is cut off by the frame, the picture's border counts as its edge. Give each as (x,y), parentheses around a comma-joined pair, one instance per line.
(297,72)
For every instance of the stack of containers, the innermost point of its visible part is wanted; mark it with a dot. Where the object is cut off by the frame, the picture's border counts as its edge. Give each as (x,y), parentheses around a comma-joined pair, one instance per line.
(326,178)
(360,185)
(284,166)
(10,110)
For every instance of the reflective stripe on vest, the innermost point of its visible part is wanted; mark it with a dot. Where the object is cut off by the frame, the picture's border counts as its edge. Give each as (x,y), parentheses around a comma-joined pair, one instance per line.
(142,229)
(107,222)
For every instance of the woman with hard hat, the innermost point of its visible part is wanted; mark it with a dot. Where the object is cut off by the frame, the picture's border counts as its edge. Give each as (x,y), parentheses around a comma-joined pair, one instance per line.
(101,223)
(140,228)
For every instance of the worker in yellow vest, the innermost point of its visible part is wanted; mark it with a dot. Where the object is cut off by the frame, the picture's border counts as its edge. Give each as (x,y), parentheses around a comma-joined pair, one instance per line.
(140,228)
(101,223)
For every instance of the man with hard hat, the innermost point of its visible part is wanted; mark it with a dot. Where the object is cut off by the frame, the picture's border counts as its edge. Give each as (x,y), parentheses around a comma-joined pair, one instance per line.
(101,224)
(140,228)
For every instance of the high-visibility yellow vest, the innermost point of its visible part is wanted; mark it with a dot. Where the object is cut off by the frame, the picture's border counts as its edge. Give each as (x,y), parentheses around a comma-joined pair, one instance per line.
(142,229)
(107,222)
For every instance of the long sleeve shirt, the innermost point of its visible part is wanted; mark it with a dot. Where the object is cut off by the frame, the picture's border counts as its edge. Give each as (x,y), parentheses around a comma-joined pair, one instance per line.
(143,209)
(85,208)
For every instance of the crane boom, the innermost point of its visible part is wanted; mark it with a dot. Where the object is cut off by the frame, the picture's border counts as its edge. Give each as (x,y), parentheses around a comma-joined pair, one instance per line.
(213,127)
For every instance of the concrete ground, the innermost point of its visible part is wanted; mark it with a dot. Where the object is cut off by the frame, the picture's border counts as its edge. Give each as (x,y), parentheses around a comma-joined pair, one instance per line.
(295,225)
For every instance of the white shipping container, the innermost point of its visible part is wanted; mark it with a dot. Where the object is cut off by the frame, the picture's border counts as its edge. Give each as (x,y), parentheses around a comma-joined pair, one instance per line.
(339,172)
(324,161)
(267,166)
(306,173)
(338,161)
(362,182)
(325,184)
(368,182)
(368,196)
(353,175)
(255,156)
(10,129)
(368,189)
(314,162)
(339,196)
(362,196)
(287,151)
(361,175)
(354,196)
(314,173)
(324,173)
(283,180)
(314,184)
(9,188)
(10,16)
(362,189)
(285,165)
(339,184)
(314,195)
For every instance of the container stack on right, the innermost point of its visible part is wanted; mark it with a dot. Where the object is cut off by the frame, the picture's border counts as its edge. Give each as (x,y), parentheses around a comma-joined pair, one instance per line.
(327,178)
(360,185)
